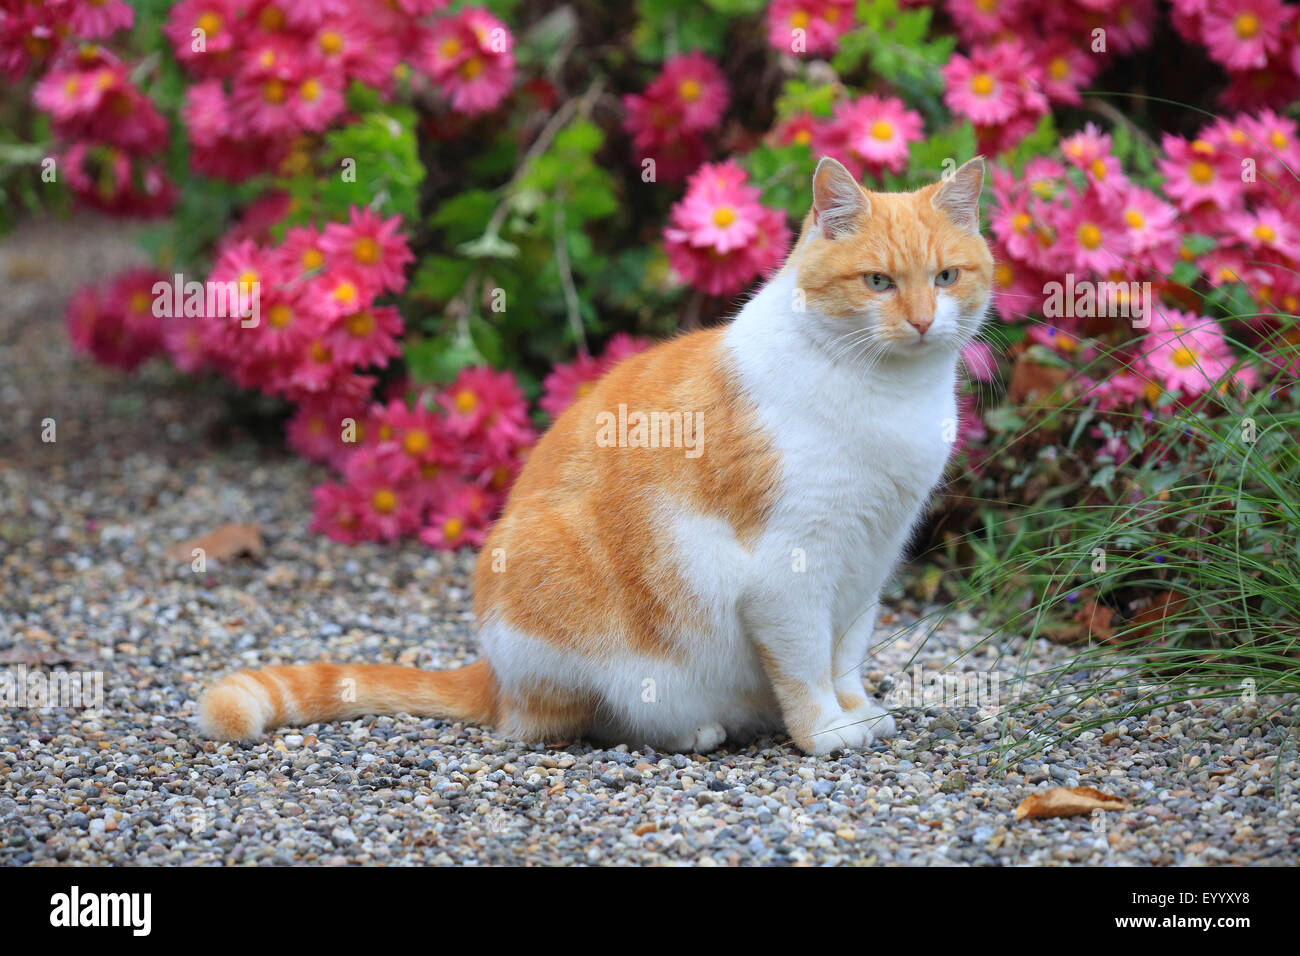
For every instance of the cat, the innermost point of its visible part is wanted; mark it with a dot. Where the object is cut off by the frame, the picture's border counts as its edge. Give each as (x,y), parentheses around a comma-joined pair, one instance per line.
(659,597)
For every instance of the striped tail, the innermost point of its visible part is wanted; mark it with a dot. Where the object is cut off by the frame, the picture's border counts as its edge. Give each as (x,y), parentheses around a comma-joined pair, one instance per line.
(244,704)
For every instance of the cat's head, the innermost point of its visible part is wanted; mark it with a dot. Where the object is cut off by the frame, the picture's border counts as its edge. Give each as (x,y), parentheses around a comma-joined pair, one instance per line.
(897,273)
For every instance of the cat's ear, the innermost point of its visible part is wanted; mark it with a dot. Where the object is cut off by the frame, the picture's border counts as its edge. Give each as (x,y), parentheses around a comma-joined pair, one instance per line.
(838,200)
(958,196)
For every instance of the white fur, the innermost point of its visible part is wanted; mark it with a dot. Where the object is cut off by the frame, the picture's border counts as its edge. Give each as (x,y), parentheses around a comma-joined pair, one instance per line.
(862,444)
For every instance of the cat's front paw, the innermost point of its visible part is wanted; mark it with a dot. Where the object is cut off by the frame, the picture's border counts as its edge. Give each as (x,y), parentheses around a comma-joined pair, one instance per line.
(876,719)
(834,734)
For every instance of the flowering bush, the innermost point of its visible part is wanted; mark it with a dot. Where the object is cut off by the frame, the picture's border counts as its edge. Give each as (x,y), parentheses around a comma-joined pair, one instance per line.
(445,206)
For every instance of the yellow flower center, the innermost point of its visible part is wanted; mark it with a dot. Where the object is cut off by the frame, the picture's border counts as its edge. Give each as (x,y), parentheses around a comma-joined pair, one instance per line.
(1098,168)
(1265,232)
(140,301)
(882,130)
(271,18)
(583,390)
(360,325)
(800,19)
(273,91)
(690,90)
(981,84)
(310,90)
(986,6)
(1059,68)
(1003,274)
(452,528)
(471,68)
(466,401)
(209,23)
(1277,139)
(416,441)
(366,251)
(803,137)
(320,352)
(724,216)
(345,292)
(313,259)
(1184,357)
(1089,236)
(1021,222)
(279,315)
(331,42)
(385,501)
(450,47)
(1246,25)
(248,277)
(1134,219)
(1201,172)
(831,14)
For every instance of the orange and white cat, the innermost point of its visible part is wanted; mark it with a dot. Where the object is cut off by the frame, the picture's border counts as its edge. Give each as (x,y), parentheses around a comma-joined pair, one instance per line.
(676,596)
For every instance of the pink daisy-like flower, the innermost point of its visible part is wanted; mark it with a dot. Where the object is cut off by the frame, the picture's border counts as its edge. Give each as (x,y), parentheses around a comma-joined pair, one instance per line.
(567,382)
(459,520)
(1185,351)
(1193,175)
(470,55)
(97,19)
(1265,229)
(389,507)
(687,98)
(417,437)
(1243,34)
(375,247)
(341,290)
(1152,224)
(1067,68)
(329,427)
(814,27)
(871,133)
(1093,233)
(339,513)
(719,210)
(484,401)
(980,362)
(203,35)
(986,86)
(368,337)
(978,21)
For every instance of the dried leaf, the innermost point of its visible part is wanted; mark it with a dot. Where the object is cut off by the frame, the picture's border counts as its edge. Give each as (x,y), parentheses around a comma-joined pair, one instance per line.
(1033,380)
(1096,618)
(1067,802)
(228,541)
(1151,620)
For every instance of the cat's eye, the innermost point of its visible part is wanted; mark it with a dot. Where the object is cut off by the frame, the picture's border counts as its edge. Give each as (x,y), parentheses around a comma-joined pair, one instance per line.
(946,277)
(878,281)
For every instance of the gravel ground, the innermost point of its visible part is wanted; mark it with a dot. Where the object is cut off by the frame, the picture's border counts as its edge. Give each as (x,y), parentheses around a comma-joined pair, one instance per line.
(145,461)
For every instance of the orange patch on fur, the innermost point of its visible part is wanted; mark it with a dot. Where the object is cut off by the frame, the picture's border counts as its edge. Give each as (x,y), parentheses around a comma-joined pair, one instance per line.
(586,555)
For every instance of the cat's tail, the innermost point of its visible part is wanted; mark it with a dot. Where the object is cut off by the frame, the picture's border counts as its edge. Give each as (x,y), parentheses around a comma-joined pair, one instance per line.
(244,704)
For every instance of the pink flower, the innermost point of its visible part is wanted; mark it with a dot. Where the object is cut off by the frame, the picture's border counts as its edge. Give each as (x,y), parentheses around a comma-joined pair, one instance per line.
(720,238)
(375,247)
(980,362)
(1194,174)
(870,133)
(415,438)
(568,382)
(97,19)
(1243,34)
(489,404)
(471,56)
(387,506)
(808,26)
(368,337)
(460,519)
(1186,352)
(687,98)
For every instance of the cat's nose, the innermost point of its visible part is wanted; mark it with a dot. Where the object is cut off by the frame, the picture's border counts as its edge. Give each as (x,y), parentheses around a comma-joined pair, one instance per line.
(921,324)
